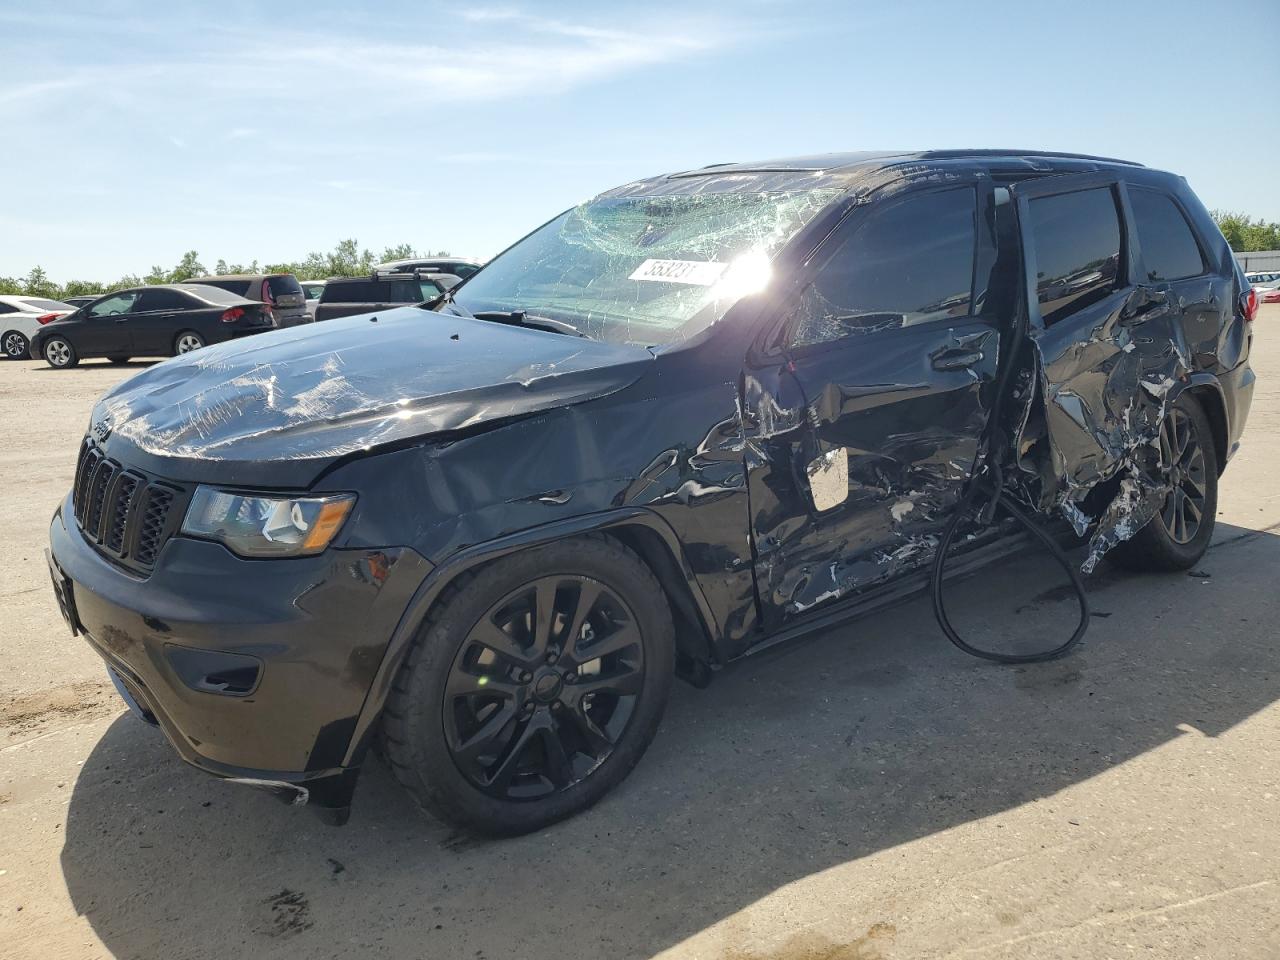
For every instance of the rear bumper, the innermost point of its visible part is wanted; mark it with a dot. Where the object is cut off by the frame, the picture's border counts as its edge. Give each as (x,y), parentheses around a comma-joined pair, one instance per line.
(254,670)
(1237,392)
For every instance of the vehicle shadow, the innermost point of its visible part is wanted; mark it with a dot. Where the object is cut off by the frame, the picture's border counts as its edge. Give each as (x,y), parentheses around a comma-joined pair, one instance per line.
(91,364)
(869,736)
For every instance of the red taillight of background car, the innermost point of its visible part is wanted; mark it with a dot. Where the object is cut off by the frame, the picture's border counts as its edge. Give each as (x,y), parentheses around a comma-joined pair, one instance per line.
(1249,304)
(47,318)
(1271,296)
(232,315)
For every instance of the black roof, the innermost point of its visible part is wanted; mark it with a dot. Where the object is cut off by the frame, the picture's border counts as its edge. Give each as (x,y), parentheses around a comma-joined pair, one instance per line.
(840,170)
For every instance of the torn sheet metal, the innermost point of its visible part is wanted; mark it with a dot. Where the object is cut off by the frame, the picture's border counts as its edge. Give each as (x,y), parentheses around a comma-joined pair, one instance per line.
(1106,391)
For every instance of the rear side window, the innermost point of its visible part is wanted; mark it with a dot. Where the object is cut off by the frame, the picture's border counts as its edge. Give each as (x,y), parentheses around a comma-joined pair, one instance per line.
(284,286)
(356,291)
(1169,248)
(1077,247)
(162,300)
(6,308)
(403,291)
(909,263)
(462,270)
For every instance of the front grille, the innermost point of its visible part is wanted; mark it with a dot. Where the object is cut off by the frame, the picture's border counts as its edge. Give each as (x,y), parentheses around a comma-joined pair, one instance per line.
(124,513)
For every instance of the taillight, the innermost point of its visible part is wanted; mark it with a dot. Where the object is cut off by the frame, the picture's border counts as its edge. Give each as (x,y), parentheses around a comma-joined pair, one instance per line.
(1249,304)
(47,318)
(232,315)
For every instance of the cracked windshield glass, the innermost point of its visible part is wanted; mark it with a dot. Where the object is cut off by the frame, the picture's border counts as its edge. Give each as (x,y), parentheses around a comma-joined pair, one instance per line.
(644,270)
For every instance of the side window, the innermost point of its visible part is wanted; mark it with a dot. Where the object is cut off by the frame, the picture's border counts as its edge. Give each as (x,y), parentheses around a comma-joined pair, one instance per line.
(463,270)
(161,300)
(1169,248)
(7,308)
(403,291)
(113,306)
(1077,249)
(909,263)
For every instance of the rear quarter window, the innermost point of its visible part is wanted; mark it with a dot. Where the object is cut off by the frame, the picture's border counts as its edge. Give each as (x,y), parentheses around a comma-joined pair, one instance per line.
(1077,248)
(354,291)
(1169,248)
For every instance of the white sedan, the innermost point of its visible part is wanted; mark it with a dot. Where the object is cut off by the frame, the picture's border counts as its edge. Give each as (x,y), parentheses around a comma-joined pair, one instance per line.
(21,317)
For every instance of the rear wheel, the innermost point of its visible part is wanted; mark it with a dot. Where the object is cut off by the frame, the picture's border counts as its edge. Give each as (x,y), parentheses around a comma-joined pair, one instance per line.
(15,345)
(187,341)
(534,687)
(1179,534)
(59,353)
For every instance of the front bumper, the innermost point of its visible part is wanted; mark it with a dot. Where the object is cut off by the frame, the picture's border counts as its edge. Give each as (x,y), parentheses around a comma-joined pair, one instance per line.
(255,670)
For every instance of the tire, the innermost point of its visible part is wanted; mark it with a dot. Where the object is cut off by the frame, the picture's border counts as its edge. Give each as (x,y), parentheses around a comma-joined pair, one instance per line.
(1170,541)
(186,341)
(59,353)
(470,729)
(119,359)
(15,345)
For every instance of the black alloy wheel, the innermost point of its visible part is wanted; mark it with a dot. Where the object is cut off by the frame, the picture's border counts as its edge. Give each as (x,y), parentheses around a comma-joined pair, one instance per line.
(533,687)
(1180,449)
(543,687)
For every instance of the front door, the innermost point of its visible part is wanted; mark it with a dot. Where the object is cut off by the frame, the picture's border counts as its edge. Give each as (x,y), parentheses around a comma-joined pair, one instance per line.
(107,328)
(863,428)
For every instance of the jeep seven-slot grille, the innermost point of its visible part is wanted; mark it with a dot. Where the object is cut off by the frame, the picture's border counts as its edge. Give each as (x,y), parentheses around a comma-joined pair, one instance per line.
(124,513)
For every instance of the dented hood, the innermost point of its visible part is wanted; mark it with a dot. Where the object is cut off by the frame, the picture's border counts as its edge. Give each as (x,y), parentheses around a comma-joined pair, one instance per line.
(278,408)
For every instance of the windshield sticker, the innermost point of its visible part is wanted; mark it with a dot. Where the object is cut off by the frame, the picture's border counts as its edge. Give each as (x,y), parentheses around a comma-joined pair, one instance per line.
(701,273)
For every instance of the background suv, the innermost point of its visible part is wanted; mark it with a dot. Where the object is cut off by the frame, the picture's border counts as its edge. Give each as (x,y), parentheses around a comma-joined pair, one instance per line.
(281,293)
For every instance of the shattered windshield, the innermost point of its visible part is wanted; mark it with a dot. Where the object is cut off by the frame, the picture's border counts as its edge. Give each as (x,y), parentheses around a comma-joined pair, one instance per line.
(647,270)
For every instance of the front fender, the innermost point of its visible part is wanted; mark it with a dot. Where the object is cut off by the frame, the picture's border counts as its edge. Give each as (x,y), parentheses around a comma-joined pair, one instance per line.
(441,576)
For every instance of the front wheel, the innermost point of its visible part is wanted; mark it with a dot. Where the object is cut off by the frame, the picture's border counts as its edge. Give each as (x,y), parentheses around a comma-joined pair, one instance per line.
(15,346)
(533,688)
(187,341)
(59,353)
(1177,537)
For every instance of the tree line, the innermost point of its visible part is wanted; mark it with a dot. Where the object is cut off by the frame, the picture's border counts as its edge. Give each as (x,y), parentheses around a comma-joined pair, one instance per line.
(1244,233)
(347,259)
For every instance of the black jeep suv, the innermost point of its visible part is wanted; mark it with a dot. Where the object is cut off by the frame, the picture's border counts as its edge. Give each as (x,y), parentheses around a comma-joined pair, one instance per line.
(693,416)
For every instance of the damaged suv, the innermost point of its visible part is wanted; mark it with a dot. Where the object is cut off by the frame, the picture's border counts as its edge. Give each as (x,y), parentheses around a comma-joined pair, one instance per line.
(697,415)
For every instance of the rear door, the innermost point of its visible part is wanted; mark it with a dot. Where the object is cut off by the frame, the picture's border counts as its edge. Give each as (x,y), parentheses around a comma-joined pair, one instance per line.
(862,433)
(158,316)
(1086,302)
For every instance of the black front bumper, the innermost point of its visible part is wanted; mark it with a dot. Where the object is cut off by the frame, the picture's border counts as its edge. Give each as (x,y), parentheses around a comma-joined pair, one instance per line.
(256,670)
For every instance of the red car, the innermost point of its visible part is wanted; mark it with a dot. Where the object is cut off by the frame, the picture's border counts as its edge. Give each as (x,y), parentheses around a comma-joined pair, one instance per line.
(1271,296)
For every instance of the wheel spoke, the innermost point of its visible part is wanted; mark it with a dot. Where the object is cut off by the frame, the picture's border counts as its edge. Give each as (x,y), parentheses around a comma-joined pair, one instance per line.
(588,593)
(487,634)
(558,768)
(1191,510)
(624,681)
(624,635)
(544,612)
(597,741)
(463,683)
(506,767)
(484,739)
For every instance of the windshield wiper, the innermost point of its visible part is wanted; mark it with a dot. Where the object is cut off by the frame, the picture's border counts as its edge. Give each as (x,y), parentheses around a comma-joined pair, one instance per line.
(518,318)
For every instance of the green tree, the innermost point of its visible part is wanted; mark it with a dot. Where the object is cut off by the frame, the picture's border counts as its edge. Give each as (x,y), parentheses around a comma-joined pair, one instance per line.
(37,284)
(1245,234)
(189,266)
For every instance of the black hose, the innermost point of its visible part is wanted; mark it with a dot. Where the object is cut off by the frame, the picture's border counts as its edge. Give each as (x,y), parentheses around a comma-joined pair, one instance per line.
(939,609)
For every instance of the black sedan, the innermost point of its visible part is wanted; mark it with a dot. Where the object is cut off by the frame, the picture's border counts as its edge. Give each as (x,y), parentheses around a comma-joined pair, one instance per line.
(152,321)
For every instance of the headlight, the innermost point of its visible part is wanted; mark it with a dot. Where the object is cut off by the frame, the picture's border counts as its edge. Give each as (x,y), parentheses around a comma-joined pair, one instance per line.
(254,526)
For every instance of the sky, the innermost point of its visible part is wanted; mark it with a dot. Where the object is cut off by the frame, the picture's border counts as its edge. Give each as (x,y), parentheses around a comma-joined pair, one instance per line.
(135,131)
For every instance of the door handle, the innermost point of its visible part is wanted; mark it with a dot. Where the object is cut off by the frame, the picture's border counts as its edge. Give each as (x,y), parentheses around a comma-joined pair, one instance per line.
(1146,300)
(960,359)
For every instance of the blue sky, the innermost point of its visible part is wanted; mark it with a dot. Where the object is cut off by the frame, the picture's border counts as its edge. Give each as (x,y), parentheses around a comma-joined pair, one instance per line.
(245,130)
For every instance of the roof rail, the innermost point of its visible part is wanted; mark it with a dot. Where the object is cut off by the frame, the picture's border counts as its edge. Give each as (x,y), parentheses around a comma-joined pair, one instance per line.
(1056,154)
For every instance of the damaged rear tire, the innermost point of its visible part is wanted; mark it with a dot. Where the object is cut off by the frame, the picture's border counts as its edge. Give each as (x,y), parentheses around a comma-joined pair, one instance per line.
(533,688)
(1177,537)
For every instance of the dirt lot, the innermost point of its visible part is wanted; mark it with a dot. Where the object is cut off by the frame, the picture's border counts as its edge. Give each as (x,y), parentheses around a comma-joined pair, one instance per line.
(868,794)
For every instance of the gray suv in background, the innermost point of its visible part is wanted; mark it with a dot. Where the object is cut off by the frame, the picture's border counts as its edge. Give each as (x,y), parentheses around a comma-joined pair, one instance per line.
(281,292)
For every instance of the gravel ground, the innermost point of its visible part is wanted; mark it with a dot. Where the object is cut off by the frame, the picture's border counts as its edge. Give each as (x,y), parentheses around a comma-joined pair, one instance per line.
(870,793)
